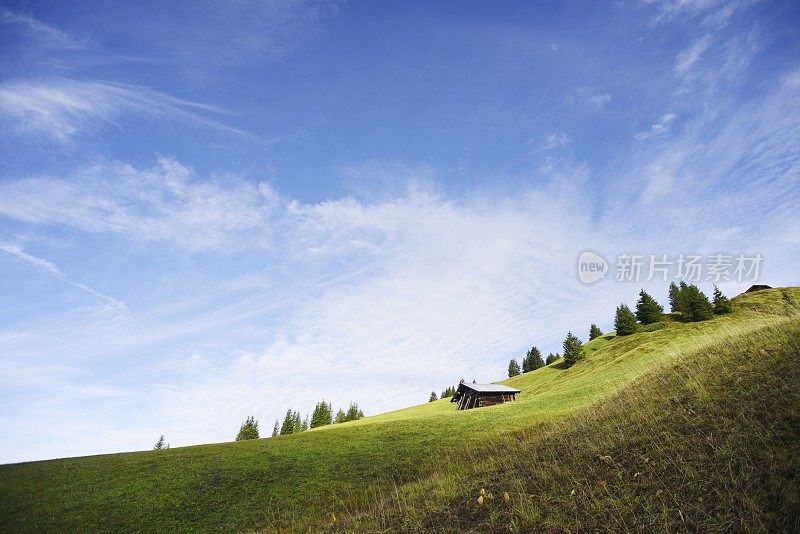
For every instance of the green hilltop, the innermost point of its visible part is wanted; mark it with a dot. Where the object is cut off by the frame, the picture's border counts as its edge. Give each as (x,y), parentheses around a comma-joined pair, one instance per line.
(687,426)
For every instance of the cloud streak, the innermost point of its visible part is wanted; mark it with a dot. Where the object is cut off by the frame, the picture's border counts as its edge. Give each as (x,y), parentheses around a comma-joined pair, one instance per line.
(687,59)
(35,28)
(63,108)
(659,129)
(163,203)
(53,270)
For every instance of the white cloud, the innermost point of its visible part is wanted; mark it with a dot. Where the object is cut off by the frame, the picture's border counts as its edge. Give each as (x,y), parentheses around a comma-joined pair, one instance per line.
(163,203)
(659,129)
(687,58)
(243,32)
(601,99)
(61,108)
(44,33)
(51,268)
(712,13)
(556,139)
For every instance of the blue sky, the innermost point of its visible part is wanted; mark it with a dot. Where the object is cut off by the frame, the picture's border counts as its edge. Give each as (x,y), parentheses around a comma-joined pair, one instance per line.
(216,209)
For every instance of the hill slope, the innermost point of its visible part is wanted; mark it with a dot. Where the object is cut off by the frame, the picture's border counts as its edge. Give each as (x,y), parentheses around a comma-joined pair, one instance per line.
(641,430)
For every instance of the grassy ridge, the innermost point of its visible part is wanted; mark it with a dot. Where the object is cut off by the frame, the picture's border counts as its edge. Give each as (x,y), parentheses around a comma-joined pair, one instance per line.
(710,443)
(292,482)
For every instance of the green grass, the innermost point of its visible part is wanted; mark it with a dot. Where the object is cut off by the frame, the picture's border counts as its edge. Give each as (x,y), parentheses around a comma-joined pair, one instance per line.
(422,468)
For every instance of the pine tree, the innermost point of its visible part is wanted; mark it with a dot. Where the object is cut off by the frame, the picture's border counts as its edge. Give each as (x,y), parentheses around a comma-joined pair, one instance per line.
(532,360)
(678,299)
(573,350)
(648,311)
(276,429)
(594,332)
(625,321)
(695,303)
(721,303)
(322,414)
(433,397)
(340,416)
(288,423)
(513,368)
(354,412)
(551,358)
(161,444)
(248,430)
(674,297)
(303,424)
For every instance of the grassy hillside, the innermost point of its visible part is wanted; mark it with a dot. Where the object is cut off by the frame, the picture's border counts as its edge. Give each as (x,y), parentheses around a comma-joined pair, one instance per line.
(641,430)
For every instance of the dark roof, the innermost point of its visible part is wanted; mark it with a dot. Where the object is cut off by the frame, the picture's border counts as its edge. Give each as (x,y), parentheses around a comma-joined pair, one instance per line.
(485,389)
(757,287)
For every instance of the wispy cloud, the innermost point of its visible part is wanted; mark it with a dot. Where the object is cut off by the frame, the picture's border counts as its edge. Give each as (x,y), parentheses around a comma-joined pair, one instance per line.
(61,108)
(240,33)
(711,13)
(687,58)
(51,268)
(601,99)
(163,203)
(659,129)
(35,28)
(556,139)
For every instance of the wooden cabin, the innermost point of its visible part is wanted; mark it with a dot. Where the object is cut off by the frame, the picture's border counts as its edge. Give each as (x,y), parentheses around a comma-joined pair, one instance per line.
(477,395)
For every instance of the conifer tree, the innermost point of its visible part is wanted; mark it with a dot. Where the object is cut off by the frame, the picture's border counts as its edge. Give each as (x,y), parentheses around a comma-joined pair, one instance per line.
(303,424)
(551,358)
(678,298)
(573,350)
(276,430)
(721,303)
(695,304)
(513,368)
(340,416)
(288,423)
(648,311)
(624,321)
(248,430)
(532,360)
(322,414)
(354,412)
(594,332)
(161,444)
(433,397)
(674,297)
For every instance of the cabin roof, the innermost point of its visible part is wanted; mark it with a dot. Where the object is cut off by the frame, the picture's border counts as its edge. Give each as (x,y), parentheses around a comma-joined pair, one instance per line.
(482,388)
(757,287)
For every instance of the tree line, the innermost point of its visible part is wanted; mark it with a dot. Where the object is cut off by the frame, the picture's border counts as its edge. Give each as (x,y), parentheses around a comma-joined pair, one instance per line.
(533,360)
(293,424)
(687,302)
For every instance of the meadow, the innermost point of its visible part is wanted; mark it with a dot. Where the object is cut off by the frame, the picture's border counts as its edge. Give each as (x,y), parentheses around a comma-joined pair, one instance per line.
(687,426)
